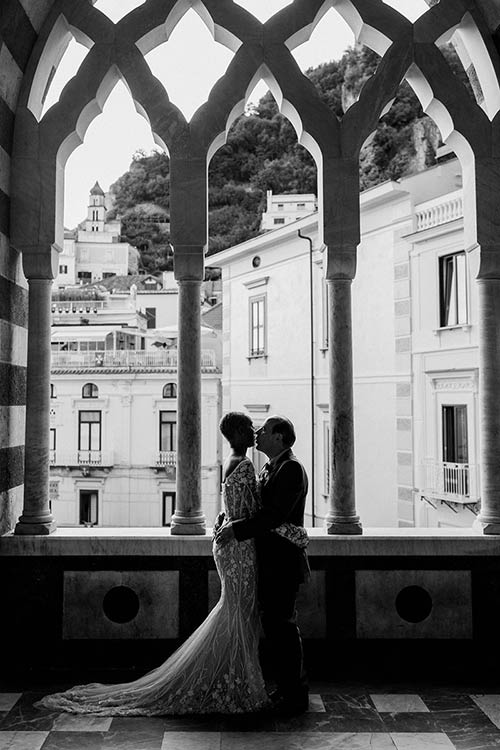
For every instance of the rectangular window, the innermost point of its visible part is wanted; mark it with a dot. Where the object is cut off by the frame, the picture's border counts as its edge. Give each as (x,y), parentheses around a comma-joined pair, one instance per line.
(63,269)
(168,508)
(150,317)
(89,430)
(258,326)
(325,323)
(301,205)
(455,449)
(84,275)
(281,206)
(168,430)
(52,439)
(279,221)
(452,290)
(326,458)
(108,274)
(89,507)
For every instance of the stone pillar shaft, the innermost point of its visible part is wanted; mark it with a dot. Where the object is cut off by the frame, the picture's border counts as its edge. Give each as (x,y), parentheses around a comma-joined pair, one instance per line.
(188,517)
(489,403)
(342,518)
(36,517)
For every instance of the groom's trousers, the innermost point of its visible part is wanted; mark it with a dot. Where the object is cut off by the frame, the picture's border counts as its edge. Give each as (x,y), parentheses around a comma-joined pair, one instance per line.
(279,621)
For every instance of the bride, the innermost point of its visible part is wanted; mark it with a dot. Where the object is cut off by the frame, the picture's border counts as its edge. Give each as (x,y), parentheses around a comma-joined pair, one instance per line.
(217,669)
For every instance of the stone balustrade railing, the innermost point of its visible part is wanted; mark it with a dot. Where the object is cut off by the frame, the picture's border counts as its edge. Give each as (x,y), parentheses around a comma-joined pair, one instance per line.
(435,212)
(125,358)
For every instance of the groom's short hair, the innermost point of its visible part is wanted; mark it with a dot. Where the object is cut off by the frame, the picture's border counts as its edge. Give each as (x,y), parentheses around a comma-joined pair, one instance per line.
(285,429)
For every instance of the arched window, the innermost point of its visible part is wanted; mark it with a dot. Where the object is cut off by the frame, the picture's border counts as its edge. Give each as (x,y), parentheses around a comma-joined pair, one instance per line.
(52,391)
(90,390)
(170,390)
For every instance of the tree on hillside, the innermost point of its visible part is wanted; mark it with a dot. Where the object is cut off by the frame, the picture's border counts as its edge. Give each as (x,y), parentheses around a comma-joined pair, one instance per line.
(262,153)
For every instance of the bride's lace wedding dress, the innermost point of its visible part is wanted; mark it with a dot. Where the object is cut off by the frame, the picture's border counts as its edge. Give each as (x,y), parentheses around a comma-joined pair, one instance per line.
(217,669)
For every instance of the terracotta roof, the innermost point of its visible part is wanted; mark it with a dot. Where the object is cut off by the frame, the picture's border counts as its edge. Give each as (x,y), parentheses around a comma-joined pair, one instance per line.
(213,316)
(123,283)
(97,189)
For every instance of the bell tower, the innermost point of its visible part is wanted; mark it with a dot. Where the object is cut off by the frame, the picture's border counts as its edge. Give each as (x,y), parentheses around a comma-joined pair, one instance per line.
(96,211)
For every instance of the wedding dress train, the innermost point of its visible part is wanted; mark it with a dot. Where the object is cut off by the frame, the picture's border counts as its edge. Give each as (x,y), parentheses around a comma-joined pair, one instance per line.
(217,669)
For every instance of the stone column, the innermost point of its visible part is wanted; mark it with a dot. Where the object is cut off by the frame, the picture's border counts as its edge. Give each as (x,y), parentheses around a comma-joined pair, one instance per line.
(188,517)
(342,517)
(489,402)
(36,517)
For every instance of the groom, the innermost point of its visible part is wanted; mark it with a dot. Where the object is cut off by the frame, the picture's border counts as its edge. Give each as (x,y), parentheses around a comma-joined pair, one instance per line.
(282,565)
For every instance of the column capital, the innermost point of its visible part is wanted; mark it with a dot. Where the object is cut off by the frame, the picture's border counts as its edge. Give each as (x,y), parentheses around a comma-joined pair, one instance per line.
(340,262)
(489,262)
(189,262)
(40,262)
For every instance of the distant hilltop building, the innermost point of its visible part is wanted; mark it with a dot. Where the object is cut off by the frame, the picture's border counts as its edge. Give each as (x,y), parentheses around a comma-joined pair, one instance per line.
(94,251)
(287,207)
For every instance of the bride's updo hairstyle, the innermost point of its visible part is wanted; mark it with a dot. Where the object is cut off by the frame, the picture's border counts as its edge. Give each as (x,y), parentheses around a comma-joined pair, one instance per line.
(232,422)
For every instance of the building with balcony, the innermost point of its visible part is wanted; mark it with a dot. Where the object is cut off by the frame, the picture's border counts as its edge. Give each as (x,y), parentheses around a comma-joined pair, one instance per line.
(415,350)
(113,412)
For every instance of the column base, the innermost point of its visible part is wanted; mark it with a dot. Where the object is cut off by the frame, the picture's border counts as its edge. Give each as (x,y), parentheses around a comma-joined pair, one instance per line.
(487,526)
(37,529)
(352,527)
(188,525)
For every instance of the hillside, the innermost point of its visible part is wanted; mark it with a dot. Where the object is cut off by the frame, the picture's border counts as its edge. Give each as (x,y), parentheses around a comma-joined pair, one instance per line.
(262,154)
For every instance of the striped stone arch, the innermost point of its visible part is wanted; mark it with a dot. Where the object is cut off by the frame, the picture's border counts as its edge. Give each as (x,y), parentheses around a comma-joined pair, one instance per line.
(34,151)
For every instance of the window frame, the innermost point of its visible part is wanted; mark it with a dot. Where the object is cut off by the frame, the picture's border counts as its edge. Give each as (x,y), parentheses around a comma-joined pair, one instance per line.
(173,388)
(164,496)
(260,351)
(81,422)
(150,313)
(173,430)
(461,306)
(84,491)
(94,393)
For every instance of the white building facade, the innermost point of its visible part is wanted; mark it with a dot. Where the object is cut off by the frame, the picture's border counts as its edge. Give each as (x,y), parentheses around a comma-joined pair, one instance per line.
(95,251)
(284,208)
(113,441)
(113,415)
(414,353)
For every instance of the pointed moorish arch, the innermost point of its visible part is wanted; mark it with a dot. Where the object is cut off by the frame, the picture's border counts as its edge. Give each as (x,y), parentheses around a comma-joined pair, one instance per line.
(116,52)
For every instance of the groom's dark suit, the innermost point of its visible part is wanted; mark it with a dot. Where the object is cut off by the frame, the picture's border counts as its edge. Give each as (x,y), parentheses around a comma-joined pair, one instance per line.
(282,566)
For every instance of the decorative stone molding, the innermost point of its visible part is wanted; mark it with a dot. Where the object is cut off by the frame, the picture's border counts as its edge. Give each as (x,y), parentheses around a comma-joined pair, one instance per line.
(255,283)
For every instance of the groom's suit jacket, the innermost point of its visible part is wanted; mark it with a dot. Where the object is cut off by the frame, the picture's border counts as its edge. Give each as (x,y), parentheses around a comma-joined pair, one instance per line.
(283,488)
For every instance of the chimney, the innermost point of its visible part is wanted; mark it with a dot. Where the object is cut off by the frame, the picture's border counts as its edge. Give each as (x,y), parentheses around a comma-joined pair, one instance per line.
(169,283)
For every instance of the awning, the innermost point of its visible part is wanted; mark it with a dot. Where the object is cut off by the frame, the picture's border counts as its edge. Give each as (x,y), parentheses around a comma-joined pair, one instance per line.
(90,333)
(172,332)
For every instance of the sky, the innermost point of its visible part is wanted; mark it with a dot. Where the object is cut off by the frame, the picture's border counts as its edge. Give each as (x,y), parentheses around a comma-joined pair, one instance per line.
(115,135)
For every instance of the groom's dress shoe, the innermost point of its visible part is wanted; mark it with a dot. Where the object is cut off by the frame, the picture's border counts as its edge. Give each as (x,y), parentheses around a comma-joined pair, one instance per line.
(290,706)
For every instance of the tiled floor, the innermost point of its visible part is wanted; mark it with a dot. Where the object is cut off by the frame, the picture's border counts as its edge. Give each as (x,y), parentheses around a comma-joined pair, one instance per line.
(340,717)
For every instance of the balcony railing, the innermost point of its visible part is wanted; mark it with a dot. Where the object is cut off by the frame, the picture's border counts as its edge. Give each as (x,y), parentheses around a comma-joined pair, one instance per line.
(435,212)
(125,358)
(166,458)
(454,482)
(81,458)
(78,307)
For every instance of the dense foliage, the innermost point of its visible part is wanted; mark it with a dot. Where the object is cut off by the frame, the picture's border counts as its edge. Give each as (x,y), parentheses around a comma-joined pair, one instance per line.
(262,154)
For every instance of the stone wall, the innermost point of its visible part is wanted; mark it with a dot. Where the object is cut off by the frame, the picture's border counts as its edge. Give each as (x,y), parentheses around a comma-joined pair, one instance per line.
(389,603)
(19,24)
